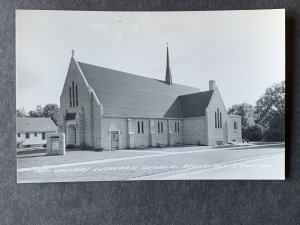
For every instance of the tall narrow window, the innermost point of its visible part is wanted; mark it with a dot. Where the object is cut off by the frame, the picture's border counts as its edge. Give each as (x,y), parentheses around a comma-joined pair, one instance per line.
(178,127)
(27,135)
(76,96)
(70,89)
(19,134)
(162,127)
(139,127)
(175,127)
(142,126)
(215,119)
(73,92)
(220,120)
(235,125)
(43,135)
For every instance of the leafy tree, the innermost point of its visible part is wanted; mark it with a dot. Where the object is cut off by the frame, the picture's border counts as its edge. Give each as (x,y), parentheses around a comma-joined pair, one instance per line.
(253,133)
(38,112)
(51,111)
(48,111)
(270,111)
(246,111)
(20,112)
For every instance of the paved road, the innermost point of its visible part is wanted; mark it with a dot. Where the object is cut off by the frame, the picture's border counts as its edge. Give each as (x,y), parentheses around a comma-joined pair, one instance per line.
(244,162)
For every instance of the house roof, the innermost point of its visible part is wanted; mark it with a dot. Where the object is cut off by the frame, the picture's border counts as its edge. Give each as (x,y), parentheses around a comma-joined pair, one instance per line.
(33,124)
(194,105)
(128,95)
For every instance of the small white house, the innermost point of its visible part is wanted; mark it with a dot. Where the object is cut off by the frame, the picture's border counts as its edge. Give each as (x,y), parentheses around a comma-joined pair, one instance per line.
(31,131)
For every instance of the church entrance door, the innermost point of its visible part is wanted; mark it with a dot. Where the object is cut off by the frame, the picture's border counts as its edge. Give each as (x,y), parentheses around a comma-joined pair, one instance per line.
(114,140)
(71,135)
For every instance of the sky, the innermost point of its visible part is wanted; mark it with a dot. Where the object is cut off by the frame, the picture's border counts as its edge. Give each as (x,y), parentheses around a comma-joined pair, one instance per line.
(243,51)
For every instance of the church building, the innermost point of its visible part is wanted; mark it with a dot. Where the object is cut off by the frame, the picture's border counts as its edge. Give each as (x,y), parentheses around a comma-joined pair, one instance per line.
(108,109)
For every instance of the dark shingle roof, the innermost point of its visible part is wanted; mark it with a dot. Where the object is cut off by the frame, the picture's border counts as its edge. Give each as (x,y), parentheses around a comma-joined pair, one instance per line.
(194,105)
(33,124)
(129,95)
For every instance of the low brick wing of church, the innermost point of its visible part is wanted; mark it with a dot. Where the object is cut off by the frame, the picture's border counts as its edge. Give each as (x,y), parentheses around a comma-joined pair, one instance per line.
(109,109)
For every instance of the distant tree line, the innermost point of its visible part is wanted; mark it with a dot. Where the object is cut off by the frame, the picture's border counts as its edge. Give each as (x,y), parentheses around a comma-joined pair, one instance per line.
(266,119)
(48,111)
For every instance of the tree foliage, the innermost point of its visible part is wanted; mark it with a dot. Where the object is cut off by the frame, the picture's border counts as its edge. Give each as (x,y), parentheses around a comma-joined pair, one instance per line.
(20,112)
(38,112)
(267,119)
(51,111)
(246,111)
(270,111)
(253,133)
(48,111)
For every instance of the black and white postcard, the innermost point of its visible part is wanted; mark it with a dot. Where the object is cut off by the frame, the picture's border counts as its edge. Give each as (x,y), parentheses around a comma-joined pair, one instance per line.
(109,96)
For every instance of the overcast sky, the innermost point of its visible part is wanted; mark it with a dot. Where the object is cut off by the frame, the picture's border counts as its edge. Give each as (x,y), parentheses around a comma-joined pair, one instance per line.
(244,51)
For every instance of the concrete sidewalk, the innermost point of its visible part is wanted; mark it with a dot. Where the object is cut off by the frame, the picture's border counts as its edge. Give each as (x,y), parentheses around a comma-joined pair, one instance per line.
(77,156)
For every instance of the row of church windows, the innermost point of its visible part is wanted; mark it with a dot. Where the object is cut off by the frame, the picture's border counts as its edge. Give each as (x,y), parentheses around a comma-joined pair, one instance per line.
(73,93)
(160,127)
(218,119)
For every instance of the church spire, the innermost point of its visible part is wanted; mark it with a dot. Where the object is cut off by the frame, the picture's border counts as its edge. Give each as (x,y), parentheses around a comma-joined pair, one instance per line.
(168,70)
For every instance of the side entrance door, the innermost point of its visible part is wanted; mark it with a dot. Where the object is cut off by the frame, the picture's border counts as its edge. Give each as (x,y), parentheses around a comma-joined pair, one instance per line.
(114,140)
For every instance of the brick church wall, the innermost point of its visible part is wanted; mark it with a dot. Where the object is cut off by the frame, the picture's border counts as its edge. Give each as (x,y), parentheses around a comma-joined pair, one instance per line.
(160,138)
(114,124)
(175,137)
(141,139)
(194,131)
(216,135)
(234,135)
(87,130)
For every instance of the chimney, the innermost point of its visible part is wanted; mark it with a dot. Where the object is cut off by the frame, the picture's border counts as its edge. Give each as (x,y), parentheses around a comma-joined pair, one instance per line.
(212,85)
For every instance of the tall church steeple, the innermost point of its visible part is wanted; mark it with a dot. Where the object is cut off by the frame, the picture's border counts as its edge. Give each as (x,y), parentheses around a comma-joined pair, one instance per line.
(168,70)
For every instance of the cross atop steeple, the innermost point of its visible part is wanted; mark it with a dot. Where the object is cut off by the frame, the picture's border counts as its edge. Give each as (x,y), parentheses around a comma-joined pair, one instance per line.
(168,78)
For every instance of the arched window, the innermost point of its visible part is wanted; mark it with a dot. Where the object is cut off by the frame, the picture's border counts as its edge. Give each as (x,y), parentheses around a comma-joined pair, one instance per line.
(70,93)
(142,126)
(73,91)
(216,120)
(76,96)
(218,113)
(138,126)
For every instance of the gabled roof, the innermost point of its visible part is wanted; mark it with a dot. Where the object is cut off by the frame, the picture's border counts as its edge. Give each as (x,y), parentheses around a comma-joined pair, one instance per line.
(33,124)
(128,95)
(194,105)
